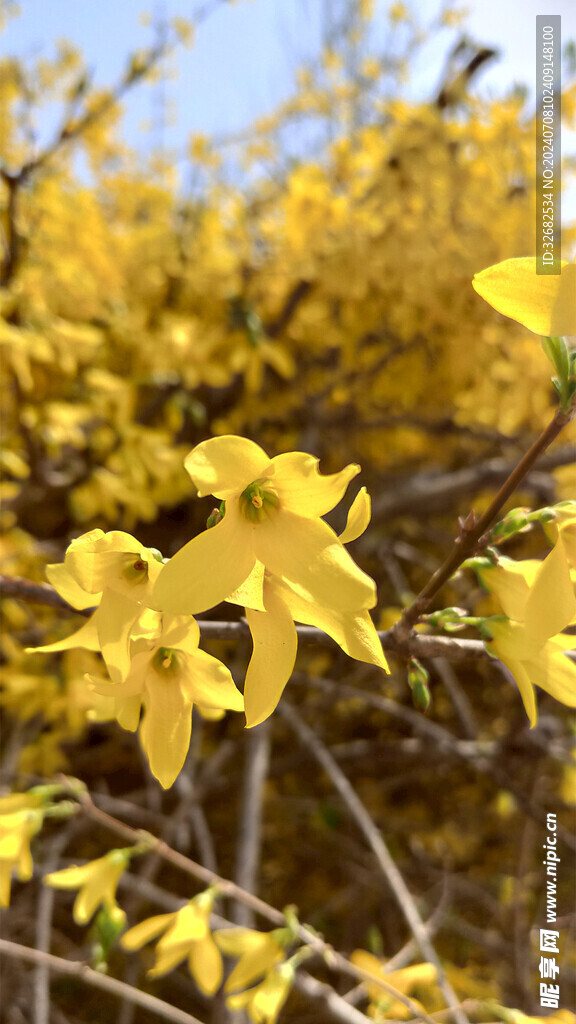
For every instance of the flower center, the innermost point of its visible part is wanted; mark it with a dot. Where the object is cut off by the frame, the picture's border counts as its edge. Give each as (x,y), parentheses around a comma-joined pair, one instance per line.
(135,570)
(166,661)
(259,501)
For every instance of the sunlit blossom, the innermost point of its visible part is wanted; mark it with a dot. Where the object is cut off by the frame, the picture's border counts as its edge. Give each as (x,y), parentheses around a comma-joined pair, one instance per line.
(274,634)
(273,516)
(167,675)
(539,602)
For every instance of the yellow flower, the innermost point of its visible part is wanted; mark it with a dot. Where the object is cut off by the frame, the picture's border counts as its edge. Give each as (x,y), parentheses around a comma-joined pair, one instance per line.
(21,818)
(258,952)
(544,303)
(186,935)
(96,882)
(264,1001)
(404,980)
(168,675)
(273,510)
(116,573)
(538,599)
(274,635)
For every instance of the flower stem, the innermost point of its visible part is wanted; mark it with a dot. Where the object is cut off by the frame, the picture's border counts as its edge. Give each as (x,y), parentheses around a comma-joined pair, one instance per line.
(474,533)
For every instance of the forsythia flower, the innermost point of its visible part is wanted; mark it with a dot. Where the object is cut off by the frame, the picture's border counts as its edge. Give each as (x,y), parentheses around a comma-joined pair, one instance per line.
(96,882)
(544,303)
(21,818)
(116,573)
(403,980)
(273,510)
(538,599)
(274,635)
(186,935)
(264,1002)
(258,951)
(168,674)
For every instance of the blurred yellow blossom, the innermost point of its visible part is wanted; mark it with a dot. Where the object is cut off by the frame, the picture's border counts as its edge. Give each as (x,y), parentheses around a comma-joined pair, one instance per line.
(96,882)
(21,817)
(186,936)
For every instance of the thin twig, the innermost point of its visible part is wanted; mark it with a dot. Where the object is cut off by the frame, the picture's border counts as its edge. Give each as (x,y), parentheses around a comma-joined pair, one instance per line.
(417,645)
(250,825)
(474,535)
(79,970)
(395,880)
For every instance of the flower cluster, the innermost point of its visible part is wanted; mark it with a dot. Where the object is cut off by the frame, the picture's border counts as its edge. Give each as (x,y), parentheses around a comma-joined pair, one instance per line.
(269,551)
(261,956)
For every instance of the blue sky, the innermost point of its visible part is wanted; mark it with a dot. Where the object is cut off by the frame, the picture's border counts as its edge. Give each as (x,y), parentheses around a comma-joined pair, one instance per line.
(246,53)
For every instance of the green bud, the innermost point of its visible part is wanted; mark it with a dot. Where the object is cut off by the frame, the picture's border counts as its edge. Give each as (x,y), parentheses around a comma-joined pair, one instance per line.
(108,926)
(216,516)
(418,680)
(515,521)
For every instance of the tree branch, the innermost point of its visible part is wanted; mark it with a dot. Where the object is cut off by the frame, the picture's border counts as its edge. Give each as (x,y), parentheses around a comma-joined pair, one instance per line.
(415,645)
(113,987)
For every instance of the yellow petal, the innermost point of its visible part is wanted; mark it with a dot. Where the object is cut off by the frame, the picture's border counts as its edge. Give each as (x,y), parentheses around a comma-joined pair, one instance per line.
(544,303)
(554,673)
(254,965)
(166,728)
(142,933)
(358,518)
(510,583)
(168,959)
(60,578)
(551,603)
(205,964)
(128,712)
(308,554)
(354,633)
(225,465)
(250,593)
(179,631)
(86,637)
(189,924)
(69,878)
(207,569)
(237,941)
(303,489)
(208,682)
(275,645)
(505,649)
(116,617)
(269,997)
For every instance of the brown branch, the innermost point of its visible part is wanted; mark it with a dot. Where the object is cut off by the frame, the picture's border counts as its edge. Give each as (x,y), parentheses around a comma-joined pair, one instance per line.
(416,645)
(77,969)
(473,534)
(436,490)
